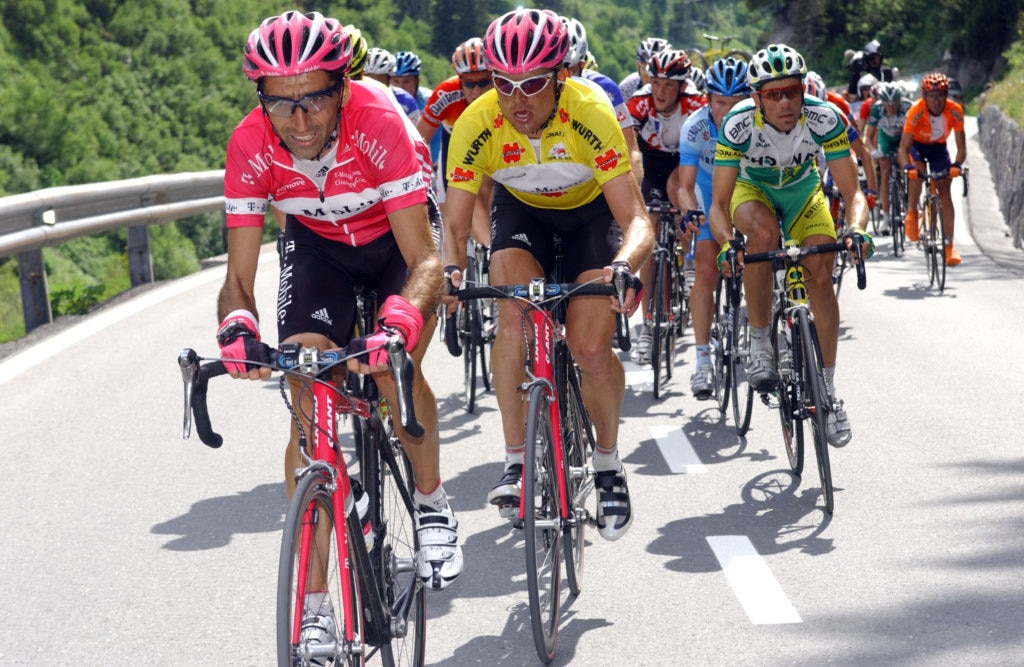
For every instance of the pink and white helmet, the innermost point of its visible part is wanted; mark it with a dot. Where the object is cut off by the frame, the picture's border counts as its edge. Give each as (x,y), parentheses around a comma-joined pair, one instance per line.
(294,43)
(526,39)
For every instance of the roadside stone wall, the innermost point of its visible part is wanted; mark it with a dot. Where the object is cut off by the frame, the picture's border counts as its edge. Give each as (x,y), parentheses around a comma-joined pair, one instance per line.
(1002,141)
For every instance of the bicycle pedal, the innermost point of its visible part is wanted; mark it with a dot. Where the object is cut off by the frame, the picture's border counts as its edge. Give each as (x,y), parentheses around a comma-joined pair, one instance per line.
(508,511)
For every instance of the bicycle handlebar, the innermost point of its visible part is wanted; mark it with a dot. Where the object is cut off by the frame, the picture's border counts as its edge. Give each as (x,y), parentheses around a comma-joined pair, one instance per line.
(541,293)
(793,253)
(291,359)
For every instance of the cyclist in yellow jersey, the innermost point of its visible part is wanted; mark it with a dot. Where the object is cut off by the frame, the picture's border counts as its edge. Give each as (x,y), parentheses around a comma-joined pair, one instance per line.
(556,158)
(765,164)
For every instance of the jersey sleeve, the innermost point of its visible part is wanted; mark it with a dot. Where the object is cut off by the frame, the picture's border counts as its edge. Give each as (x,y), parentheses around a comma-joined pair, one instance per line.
(466,156)
(734,136)
(246,194)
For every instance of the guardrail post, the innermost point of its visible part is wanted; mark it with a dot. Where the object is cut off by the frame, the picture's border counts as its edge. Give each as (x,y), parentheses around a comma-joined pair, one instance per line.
(140,260)
(35,293)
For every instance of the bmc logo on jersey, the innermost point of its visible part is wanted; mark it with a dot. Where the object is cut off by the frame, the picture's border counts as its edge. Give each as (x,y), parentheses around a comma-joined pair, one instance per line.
(460,175)
(511,152)
(607,160)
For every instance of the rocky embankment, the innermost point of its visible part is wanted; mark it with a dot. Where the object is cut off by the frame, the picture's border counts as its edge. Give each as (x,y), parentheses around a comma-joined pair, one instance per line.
(1002,141)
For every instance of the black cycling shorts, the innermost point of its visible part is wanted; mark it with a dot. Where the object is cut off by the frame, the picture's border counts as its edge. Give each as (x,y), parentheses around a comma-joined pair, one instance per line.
(936,155)
(316,293)
(589,233)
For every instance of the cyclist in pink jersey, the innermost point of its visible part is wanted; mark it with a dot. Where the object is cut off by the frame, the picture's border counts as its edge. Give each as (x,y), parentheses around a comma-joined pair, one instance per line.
(335,157)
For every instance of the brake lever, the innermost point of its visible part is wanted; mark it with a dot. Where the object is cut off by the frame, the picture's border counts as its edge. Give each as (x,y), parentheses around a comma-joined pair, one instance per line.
(188,361)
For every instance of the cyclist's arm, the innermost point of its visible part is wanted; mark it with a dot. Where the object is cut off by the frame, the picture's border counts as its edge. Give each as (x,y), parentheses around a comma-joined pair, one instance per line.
(844,173)
(864,154)
(459,206)
(723,182)
(636,160)
(411,229)
(961,146)
(903,154)
(426,128)
(481,226)
(238,292)
(871,137)
(627,206)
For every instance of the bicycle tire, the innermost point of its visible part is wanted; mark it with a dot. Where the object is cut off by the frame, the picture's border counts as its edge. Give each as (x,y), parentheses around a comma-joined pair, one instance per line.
(818,406)
(697,58)
(840,265)
(674,302)
(542,526)
(578,445)
(469,353)
(928,236)
(656,310)
(312,506)
(396,547)
(897,201)
(940,259)
(720,349)
(787,392)
(742,392)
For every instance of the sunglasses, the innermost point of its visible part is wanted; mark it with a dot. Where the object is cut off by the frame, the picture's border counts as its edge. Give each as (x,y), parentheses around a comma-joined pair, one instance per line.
(482,83)
(528,87)
(935,96)
(787,93)
(313,103)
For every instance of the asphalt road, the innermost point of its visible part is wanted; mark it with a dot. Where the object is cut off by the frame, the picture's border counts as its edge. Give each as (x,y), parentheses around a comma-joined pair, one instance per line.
(123,544)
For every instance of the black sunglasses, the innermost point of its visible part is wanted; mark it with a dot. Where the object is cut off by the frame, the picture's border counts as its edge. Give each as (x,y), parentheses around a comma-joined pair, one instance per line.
(315,102)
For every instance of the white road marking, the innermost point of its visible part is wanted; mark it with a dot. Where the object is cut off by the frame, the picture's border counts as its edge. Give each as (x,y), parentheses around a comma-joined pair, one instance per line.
(752,582)
(676,450)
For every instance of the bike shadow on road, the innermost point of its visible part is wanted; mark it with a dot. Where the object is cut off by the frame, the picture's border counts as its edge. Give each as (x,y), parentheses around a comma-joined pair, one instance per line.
(212,522)
(775,514)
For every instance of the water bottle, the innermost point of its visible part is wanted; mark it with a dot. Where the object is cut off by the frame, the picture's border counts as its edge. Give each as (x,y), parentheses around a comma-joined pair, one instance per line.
(362,503)
(786,354)
(796,288)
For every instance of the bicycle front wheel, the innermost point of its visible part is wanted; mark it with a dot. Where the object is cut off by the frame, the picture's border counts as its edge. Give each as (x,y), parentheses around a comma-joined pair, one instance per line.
(897,210)
(739,345)
(940,253)
(816,406)
(656,312)
(577,446)
(542,525)
(395,553)
(930,243)
(469,320)
(786,355)
(318,591)
(720,348)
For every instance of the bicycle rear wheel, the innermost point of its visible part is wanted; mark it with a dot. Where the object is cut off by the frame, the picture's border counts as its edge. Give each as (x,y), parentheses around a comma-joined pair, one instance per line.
(739,344)
(786,355)
(577,446)
(333,630)
(815,400)
(542,526)
(395,551)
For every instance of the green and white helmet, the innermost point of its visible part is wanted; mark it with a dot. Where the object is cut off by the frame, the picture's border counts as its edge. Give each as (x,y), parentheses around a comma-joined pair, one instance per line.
(777,61)
(889,92)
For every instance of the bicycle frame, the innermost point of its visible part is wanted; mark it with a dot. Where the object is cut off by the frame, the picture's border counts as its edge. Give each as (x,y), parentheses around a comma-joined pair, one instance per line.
(328,401)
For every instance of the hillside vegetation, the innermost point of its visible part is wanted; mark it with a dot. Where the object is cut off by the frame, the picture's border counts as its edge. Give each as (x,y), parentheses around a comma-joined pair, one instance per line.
(100,90)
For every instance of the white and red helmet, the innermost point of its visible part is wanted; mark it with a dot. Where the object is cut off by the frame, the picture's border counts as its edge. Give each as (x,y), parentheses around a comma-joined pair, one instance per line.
(524,40)
(294,43)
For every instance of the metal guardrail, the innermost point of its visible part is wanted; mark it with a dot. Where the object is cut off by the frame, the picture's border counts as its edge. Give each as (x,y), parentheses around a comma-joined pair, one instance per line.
(32,221)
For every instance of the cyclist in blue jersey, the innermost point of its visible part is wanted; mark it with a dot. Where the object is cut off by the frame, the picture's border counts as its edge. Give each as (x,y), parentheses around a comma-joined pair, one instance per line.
(764,168)
(726,85)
